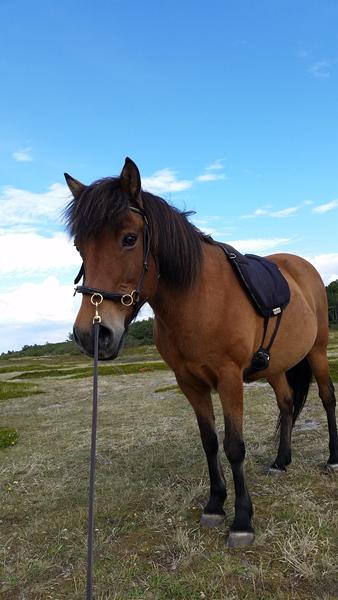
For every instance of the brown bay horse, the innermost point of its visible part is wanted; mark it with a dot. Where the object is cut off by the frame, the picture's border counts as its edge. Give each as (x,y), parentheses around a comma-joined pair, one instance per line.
(136,247)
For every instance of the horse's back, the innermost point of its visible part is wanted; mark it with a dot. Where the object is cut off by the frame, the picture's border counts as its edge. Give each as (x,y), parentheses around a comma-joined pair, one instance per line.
(301,272)
(308,302)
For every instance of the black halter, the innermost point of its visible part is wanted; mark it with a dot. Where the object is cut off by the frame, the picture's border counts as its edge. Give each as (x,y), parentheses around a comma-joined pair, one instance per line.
(132,299)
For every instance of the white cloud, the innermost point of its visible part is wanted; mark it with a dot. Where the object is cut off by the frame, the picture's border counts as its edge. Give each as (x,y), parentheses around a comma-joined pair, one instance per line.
(35,313)
(278,214)
(37,302)
(30,252)
(323,208)
(210,177)
(165,181)
(217,165)
(326,264)
(24,155)
(209,172)
(23,208)
(259,244)
(285,212)
(213,225)
(321,69)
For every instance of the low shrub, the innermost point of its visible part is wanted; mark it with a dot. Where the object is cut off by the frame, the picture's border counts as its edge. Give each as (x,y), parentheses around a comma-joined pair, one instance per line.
(8,437)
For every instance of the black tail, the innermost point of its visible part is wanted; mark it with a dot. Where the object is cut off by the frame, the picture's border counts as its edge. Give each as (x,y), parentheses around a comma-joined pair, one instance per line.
(299,379)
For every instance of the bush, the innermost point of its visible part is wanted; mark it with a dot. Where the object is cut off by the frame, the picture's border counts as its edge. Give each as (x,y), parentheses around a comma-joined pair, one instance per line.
(8,437)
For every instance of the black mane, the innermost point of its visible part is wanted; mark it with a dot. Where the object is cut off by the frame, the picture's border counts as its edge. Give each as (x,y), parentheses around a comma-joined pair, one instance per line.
(175,242)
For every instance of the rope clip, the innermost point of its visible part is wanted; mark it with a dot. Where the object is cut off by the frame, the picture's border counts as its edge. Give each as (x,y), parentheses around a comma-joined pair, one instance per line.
(96,300)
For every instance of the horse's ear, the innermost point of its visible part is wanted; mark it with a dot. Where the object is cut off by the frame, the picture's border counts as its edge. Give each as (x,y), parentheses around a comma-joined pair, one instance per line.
(131,179)
(75,186)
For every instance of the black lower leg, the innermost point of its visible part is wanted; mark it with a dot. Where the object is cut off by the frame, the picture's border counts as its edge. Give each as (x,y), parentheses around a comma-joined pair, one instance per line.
(217,482)
(235,451)
(330,408)
(284,450)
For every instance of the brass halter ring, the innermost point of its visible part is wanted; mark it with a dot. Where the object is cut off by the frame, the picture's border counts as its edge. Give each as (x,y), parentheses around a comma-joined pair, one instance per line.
(96,300)
(130,299)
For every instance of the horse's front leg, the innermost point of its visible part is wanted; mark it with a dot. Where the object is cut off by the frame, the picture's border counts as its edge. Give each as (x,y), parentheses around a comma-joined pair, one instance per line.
(230,388)
(200,399)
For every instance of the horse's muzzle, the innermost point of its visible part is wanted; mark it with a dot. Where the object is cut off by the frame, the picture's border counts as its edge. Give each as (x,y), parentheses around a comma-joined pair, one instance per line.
(110,341)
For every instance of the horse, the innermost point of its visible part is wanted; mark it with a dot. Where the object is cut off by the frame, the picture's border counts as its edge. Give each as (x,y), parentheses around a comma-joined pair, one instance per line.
(135,247)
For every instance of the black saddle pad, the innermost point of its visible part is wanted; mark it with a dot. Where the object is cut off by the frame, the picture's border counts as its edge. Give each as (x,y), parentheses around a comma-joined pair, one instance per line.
(264,283)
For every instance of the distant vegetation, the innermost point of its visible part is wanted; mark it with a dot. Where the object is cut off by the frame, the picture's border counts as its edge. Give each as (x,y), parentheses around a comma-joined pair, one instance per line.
(139,333)
(332,296)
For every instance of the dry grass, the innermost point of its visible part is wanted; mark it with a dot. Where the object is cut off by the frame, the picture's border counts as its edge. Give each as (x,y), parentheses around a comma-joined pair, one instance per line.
(151,486)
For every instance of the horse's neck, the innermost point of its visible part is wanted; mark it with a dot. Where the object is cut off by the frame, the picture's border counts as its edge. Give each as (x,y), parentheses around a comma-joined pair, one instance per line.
(171,305)
(168,303)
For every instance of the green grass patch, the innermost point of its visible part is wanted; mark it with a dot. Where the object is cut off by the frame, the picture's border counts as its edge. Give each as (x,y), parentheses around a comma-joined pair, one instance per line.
(37,366)
(125,369)
(80,372)
(169,388)
(334,369)
(35,371)
(8,437)
(17,389)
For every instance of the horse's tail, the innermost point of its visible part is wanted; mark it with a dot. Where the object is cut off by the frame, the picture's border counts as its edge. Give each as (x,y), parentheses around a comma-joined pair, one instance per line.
(299,379)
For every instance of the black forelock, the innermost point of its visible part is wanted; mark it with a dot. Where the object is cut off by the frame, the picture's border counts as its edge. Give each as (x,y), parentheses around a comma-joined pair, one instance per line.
(100,205)
(175,242)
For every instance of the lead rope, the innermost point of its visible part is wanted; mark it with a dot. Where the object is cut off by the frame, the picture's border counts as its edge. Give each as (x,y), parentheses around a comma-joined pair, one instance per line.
(96,300)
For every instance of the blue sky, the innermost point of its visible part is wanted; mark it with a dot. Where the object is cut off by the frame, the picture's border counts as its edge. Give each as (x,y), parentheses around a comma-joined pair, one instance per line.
(228,107)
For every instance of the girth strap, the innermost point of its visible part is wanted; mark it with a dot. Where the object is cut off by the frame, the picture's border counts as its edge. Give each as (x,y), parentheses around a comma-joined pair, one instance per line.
(261,358)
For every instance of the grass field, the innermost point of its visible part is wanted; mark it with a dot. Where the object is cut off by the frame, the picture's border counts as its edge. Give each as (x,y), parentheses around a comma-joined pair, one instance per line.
(151,485)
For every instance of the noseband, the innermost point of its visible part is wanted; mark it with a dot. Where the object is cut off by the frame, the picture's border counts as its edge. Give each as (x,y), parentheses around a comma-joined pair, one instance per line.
(132,299)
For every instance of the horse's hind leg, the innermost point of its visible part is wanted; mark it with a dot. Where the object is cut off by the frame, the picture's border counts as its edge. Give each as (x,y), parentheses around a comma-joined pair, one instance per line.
(320,368)
(200,399)
(284,396)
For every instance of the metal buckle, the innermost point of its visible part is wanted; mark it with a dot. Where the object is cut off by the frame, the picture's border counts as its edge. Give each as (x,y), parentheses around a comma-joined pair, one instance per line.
(130,299)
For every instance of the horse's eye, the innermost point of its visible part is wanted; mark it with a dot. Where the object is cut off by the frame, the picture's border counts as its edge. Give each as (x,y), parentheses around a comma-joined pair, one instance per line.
(129,239)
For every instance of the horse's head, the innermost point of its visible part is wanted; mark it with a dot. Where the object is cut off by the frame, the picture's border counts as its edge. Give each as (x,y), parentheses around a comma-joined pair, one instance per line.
(111,233)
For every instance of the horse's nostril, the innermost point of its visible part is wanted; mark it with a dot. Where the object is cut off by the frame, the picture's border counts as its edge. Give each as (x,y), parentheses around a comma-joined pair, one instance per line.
(105,336)
(110,341)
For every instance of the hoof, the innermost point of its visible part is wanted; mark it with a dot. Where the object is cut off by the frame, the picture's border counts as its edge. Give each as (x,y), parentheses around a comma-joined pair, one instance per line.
(237,539)
(331,468)
(209,520)
(276,471)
